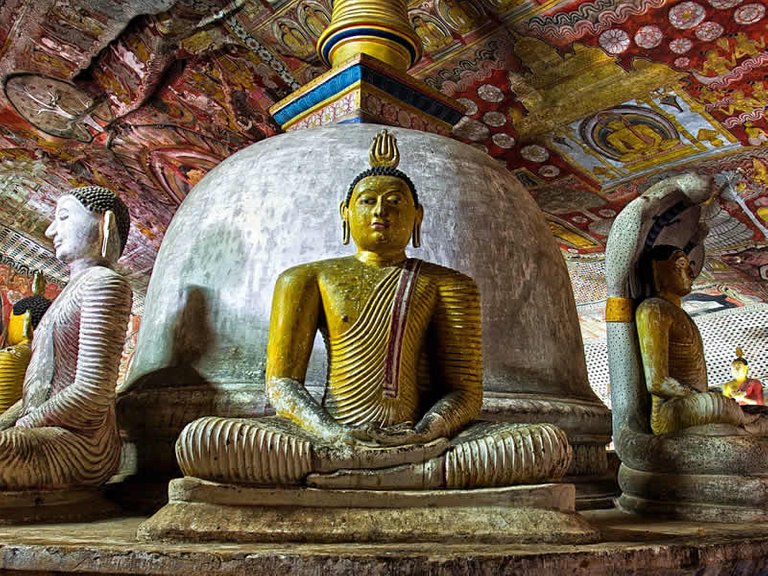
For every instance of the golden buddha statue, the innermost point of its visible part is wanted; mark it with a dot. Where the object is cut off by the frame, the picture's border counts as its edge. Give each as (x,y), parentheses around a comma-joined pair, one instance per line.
(404,370)
(742,388)
(673,354)
(63,432)
(14,358)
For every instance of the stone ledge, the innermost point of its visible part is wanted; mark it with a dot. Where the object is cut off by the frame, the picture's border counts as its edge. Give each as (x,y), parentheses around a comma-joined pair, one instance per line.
(631,546)
(62,505)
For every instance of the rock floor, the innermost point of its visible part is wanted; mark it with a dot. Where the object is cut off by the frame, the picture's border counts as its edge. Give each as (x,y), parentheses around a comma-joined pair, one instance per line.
(629,545)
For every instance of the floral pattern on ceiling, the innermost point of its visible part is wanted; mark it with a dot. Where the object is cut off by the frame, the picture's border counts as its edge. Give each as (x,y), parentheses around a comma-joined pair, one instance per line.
(586,102)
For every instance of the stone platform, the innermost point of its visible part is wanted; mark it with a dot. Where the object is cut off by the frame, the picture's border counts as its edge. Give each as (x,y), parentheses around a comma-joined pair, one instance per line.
(199,510)
(630,546)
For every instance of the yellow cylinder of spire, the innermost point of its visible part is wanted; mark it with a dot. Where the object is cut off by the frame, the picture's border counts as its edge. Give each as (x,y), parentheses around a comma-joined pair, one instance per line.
(379,28)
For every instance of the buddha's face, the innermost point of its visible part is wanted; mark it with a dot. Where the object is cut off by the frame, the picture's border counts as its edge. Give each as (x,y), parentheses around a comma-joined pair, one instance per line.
(674,275)
(75,231)
(739,370)
(381,214)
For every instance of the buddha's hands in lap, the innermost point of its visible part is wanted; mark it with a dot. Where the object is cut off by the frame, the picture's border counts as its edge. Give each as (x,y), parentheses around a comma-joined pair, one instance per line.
(372,446)
(401,434)
(669,388)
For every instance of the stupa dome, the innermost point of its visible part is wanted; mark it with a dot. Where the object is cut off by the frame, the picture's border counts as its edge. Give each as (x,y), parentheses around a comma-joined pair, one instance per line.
(275,204)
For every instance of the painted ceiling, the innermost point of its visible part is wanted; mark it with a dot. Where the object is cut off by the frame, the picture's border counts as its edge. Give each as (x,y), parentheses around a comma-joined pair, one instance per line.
(586,102)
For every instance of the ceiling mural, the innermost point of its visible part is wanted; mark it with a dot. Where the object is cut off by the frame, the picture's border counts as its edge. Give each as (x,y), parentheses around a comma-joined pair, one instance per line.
(587,102)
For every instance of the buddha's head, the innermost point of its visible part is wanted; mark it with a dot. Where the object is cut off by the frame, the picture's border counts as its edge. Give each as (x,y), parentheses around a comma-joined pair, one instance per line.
(381,211)
(667,270)
(739,366)
(91,223)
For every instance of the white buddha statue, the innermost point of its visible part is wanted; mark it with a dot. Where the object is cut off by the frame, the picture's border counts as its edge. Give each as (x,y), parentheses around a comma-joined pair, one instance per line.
(63,433)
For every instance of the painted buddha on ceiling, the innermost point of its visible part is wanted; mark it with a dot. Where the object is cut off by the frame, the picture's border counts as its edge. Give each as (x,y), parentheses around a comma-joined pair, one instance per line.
(63,432)
(633,141)
(404,383)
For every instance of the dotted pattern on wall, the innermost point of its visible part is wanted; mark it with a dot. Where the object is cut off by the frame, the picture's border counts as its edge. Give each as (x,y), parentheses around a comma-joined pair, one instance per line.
(723,330)
(18,251)
(720,331)
(588,280)
(596,355)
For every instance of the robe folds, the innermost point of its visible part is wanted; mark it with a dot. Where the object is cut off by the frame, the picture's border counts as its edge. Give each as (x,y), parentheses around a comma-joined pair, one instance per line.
(67,433)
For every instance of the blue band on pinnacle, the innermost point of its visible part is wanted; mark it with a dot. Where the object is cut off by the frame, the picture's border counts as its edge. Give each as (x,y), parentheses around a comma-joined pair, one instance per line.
(364,31)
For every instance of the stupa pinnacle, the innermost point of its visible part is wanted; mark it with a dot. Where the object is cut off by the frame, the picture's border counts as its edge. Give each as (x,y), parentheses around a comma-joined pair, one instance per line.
(379,28)
(370,46)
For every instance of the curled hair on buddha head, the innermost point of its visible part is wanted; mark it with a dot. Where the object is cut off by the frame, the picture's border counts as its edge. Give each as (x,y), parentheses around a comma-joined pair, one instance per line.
(383,171)
(658,253)
(99,199)
(383,158)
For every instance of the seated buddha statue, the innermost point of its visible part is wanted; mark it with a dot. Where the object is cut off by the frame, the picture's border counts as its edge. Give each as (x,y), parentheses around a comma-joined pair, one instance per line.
(14,358)
(404,380)
(742,388)
(63,433)
(673,354)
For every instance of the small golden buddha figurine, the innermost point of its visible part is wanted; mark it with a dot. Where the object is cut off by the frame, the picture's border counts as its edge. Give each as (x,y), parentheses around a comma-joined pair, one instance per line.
(673,354)
(63,433)
(404,370)
(743,389)
(14,358)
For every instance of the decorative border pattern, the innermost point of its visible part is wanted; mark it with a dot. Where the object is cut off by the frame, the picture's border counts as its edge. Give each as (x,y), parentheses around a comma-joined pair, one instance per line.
(591,18)
(358,72)
(24,255)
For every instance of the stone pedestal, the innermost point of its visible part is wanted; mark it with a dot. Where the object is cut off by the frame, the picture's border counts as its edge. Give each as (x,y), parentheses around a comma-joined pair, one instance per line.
(696,497)
(199,510)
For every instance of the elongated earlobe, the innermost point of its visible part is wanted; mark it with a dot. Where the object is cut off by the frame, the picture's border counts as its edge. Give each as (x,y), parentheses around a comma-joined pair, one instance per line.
(106,228)
(110,237)
(344,224)
(345,232)
(27,330)
(416,234)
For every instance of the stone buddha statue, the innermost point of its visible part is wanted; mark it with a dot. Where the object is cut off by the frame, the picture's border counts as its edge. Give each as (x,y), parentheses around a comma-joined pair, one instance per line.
(63,433)
(404,382)
(686,452)
(742,388)
(673,354)
(14,358)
